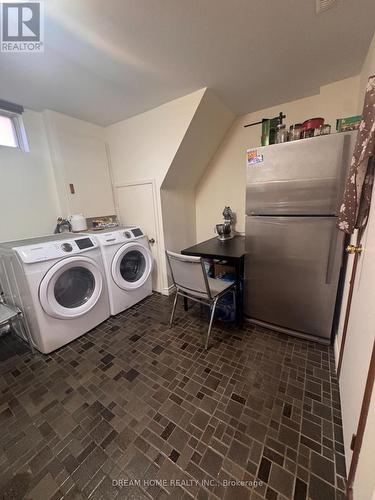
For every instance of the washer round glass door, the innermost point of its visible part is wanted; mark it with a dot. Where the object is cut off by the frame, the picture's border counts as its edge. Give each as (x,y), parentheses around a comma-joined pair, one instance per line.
(71,287)
(131,266)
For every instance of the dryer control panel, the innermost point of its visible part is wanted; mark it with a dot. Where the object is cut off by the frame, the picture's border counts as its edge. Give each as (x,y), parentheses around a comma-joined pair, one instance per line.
(119,236)
(137,232)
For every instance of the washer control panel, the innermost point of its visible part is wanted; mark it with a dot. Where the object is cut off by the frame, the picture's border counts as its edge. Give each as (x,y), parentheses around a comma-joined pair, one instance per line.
(66,247)
(84,243)
(54,248)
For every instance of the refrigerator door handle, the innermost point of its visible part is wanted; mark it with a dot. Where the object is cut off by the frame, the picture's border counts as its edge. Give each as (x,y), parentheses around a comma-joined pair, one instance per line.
(331,255)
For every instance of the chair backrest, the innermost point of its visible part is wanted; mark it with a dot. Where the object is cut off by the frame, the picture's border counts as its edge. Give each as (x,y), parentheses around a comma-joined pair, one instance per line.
(188,273)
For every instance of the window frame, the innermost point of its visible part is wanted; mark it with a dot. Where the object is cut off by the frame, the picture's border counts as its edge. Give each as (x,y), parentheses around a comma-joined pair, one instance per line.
(18,130)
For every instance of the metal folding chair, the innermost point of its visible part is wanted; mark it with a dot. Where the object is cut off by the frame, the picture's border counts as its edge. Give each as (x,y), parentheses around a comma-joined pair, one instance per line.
(191,281)
(11,314)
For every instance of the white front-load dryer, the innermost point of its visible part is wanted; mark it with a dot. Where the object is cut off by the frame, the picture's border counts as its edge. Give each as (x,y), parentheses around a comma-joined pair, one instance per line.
(128,264)
(59,283)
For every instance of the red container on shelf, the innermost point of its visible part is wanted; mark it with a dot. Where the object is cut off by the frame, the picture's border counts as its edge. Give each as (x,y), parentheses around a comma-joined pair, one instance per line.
(310,125)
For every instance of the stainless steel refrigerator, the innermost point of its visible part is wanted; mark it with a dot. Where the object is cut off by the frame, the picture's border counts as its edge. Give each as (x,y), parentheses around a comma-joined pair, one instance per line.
(294,251)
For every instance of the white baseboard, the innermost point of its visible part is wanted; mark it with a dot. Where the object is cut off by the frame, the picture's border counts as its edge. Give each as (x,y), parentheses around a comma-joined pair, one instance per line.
(168,290)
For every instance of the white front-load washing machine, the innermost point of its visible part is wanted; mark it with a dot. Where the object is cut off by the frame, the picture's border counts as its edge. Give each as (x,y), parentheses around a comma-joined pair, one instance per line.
(128,265)
(59,283)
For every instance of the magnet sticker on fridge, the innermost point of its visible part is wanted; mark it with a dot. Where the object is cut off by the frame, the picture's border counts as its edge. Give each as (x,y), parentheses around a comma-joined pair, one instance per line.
(252,157)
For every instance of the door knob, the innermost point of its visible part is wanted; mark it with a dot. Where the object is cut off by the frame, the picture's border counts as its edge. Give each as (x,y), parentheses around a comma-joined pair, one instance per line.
(151,241)
(353,249)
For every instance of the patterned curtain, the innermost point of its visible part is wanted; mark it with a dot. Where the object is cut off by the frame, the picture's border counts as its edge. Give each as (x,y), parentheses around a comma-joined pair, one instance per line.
(357,195)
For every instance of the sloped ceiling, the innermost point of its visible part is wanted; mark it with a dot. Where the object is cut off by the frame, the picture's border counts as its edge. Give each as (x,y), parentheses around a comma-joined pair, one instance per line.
(145,145)
(107,61)
(203,136)
(206,130)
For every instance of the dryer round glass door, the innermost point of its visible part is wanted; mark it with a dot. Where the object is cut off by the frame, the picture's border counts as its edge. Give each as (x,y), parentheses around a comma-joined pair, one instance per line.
(131,266)
(71,287)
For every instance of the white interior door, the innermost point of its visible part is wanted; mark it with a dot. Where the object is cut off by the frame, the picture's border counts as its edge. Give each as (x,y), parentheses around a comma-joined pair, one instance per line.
(136,204)
(360,338)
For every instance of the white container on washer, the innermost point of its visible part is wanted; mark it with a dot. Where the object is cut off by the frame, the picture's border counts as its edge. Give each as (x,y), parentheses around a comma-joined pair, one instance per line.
(78,222)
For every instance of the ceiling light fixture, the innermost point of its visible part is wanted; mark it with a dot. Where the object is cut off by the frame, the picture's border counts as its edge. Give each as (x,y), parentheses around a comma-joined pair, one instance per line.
(323,5)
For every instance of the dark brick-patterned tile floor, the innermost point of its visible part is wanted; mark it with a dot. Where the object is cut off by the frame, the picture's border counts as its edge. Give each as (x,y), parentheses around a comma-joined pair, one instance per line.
(137,402)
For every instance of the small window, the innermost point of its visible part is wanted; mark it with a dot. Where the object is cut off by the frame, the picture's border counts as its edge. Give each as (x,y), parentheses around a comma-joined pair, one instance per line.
(7,132)
(12,129)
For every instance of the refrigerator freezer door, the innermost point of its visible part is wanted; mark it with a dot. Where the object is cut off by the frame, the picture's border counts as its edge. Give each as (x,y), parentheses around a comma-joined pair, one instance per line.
(303,177)
(292,268)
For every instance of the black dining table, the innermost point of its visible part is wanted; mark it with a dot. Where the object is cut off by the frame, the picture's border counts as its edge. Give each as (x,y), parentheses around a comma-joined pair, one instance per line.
(233,252)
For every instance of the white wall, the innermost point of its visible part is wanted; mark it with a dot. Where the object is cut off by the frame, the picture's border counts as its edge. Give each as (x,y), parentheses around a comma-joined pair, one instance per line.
(206,130)
(144,146)
(171,144)
(79,156)
(224,181)
(34,185)
(178,218)
(28,197)
(368,69)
